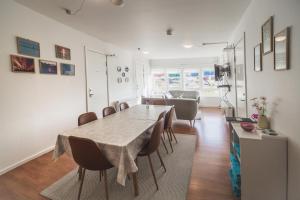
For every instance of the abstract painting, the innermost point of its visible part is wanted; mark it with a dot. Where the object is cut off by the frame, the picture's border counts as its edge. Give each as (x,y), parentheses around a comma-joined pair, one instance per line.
(22,64)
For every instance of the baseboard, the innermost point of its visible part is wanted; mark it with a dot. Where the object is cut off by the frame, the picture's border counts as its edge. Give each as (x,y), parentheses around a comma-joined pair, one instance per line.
(13,166)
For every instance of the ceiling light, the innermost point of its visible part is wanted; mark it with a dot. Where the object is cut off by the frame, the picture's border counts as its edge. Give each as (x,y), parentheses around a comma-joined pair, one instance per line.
(280,38)
(146,52)
(187,46)
(118,2)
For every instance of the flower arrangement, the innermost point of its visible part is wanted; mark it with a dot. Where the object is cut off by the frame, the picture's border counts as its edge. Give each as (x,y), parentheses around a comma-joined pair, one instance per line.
(260,104)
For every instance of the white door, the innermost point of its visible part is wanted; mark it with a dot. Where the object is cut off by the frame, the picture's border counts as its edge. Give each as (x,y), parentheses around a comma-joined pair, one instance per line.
(240,78)
(140,78)
(96,75)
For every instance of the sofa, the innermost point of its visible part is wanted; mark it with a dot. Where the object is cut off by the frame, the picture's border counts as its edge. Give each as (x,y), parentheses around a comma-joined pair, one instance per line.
(185,109)
(184,94)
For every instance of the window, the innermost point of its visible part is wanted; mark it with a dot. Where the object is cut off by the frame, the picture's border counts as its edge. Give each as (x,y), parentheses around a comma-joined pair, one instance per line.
(198,79)
(174,80)
(192,79)
(159,84)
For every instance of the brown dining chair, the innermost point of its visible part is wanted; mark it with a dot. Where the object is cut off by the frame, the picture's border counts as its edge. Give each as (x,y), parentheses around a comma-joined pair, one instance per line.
(123,106)
(163,115)
(152,146)
(88,156)
(168,127)
(108,111)
(86,118)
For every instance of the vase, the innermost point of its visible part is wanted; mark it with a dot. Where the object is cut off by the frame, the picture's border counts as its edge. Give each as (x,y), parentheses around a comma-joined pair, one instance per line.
(263,122)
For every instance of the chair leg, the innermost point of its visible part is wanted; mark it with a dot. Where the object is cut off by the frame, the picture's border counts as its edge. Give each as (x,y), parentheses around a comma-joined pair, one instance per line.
(190,122)
(163,141)
(100,175)
(79,173)
(170,141)
(161,160)
(81,183)
(194,122)
(171,130)
(164,135)
(105,184)
(152,170)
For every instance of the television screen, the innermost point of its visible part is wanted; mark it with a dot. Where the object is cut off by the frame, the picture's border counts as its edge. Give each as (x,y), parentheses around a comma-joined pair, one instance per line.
(217,72)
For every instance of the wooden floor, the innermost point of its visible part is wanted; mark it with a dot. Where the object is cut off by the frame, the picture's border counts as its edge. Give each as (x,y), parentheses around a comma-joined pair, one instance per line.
(209,179)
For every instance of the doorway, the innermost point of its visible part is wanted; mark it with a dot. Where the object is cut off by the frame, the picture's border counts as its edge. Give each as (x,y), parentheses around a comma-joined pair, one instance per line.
(240,78)
(96,81)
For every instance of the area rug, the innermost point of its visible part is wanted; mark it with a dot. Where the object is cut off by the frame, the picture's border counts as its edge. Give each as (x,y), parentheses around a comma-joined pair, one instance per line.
(173,184)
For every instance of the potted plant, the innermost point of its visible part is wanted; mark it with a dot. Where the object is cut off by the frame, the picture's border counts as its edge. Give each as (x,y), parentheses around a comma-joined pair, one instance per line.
(260,104)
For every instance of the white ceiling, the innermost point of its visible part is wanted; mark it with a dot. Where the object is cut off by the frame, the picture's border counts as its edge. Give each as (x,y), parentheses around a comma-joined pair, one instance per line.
(142,23)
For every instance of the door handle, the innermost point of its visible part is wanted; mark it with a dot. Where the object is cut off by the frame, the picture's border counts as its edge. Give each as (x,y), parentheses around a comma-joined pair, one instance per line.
(91,93)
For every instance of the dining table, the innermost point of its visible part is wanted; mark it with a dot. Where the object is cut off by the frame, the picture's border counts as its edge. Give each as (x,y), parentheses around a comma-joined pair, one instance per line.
(120,136)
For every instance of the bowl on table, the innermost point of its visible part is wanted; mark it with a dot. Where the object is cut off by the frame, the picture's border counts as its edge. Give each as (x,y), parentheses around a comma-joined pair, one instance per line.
(247,126)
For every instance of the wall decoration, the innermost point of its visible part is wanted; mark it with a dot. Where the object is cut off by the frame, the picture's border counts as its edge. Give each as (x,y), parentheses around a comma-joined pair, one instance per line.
(62,52)
(119,69)
(28,47)
(67,69)
(48,67)
(267,36)
(126,69)
(123,74)
(257,58)
(281,50)
(22,64)
(126,79)
(119,80)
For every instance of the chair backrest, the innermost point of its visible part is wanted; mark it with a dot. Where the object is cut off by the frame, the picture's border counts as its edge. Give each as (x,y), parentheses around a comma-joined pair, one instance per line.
(86,118)
(87,154)
(161,115)
(169,118)
(108,111)
(155,137)
(123,106)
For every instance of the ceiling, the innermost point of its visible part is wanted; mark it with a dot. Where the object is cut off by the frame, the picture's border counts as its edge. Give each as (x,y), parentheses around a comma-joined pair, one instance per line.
(143,23)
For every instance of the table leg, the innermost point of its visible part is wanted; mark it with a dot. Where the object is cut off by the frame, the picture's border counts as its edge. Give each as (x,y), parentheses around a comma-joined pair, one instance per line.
(135,184)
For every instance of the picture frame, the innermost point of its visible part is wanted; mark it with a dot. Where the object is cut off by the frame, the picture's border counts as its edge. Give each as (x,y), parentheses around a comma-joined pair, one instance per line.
(119,80)
(67,69)
(282,50)
(28,47)
(119,69)
(48,67)
(258,58)
(62,52)
(267,33)
(126,69)
(22,64)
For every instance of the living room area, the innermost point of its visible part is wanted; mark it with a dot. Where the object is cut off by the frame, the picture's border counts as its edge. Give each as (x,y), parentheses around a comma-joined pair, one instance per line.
(165,100)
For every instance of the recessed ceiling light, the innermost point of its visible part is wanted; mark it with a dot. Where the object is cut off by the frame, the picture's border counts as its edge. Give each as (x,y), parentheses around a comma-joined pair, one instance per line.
(187,46)
(146,52)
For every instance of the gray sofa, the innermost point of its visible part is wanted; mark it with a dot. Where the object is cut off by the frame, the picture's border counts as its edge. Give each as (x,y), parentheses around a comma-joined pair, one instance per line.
(184,94)
(185,109)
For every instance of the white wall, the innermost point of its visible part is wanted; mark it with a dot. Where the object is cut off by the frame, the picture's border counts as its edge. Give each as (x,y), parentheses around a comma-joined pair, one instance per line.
(195,63)
(280,87)
(34,108)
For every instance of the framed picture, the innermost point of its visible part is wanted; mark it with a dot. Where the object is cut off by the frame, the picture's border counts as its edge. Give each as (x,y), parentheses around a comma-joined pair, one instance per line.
(123,74)
(126,69)
(62,52)
(126,79)
(281,50)
(119,80)
(48,67)
(22,64)
(28,47)
(67,69)
(257,58)
(267,36)
(119,69)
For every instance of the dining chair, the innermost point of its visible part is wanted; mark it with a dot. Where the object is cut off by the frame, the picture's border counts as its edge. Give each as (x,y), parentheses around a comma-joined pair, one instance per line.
(123,106)
(108,111)
(163,115)
(86,118)
(88,156)
(168,127)
(152,146)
